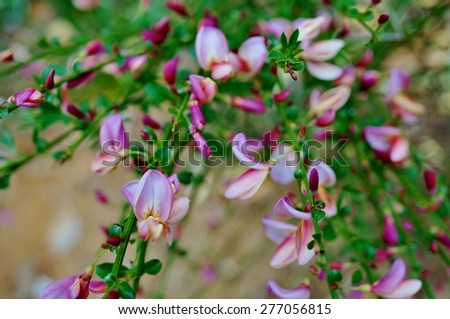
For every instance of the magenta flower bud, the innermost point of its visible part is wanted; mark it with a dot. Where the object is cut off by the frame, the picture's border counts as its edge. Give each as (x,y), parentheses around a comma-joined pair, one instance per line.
(50,80)
(94,47)
(148,121)
(383,18)
(430,180)
(198,120)
(158,34)
(407,225)
(85,5)
(366,59)
(382,255)
(6,56)
(170,70)
(208,20)
(134,64)
(251,105)
(282,96)
(208,273)
(75,111)
(369,79)
(201,144)
(177,7)
(443,238)
(114,241)
(300,292)
(101,197)
(375,2)
(27,98)
(314,181)
(145,135)
(326,118)
(390,233)
(82,79)
(203,89)
(347,77)
(434,247)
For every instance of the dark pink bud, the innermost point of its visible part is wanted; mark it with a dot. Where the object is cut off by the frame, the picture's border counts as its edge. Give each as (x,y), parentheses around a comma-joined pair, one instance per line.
(208,20)
(407,225)
(326,118)
(347,77)
(148,121)
(430,180)
(170,71)
(375,2)
(366,59)
(145,135)
(443,238)
(114,241)
(198,120)
(369,79)
(314,181)
(282,96)
(101,197)
(158,34)
(27,98)
(75,111)
(302,132)
(383,18)
(6,56)
(200,143)
(434,247)
(80,80)
(177,7)
(94,47)
(50,80)
(390,234)
(247,104)
(382,255)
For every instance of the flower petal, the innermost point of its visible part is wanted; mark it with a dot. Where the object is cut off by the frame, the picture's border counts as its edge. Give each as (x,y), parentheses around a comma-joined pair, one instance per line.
(284,209)
(105,163)
(112,132)
(392,279)
(97,287)
(153,195)
(64,288)
(405,289)
(286,164)
(246,185)
(150,228)
(210,46)
(398,81)
(276,230)
(331,99)
(300,292)
(323,50)
(241,148)
(324,71)
(179,210)
(303,235)
(254,52)
(327,177)
(285,253)
(379,137)
(129,190)
(399,150)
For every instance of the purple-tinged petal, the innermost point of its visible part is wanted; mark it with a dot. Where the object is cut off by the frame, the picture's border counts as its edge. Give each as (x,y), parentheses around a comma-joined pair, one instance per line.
(300,292)
(392,279)
(324,71)
(327,118)
(179,210)
(201,144)
(284,209)
(286,164)
(129,190)
(277,230)
(331,99)
(153,196)
(254,52)
(390,233)
(285,253)
(347,77)
(241,148)
(97,287)
(105,163)
(150,228)
(221,71)
(65,288)
(276,27)
(323,50)
(379,137)
(203,89)
(246,185)
(327,177)
(309,28)
(398,82)
(406,289)
(251,105)
(210,47)
(399,149)
(112,132)
(198,120)
(170,70)
(175,182)
(303,236)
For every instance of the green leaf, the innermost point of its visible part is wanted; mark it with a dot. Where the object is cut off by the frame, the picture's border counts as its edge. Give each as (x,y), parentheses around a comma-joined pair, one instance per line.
(293,39)
(4,180)
(185,177)
(318,214)
(334,276)
(329,233)
(357,277)
(125,290)
(275,55)
(283,40)
(163,154)
(317,237)
(298,66)
(105,269)
(310,245)
(156,93)
(152,267)
(292,112)
(4,112)
(115,230)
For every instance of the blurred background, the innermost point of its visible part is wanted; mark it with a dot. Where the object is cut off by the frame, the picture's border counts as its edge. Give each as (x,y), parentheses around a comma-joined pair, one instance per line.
(50,219)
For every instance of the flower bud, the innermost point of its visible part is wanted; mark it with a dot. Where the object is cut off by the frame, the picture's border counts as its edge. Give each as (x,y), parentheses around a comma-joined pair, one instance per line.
(50,80)
(251,105)
(101,197)
(383,18)
(198,120)
(366,59)
(434,247)
(27,98)
(177,7)
(158,34)
(170,70)
(326,118)
(282,96)
(114,241)
(203,89)
(6,56)
(145,135)
(430,180)
(94,47)
(314,181)
(148,121)
(200,143)
(369,79)
(390,234)
(75,111)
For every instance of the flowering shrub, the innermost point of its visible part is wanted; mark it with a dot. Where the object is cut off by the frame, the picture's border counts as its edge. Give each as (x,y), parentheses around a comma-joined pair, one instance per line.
(296,94)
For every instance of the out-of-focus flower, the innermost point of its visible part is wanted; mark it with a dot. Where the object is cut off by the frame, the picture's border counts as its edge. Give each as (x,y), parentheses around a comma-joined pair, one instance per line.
(300,292)
(177,7)
(158,34)
(150,122)
(208,272)
(211,49)
(246,185)
(200,143)
(327,178)
(27,98)
(6,56)
(394,284)
(154,205)
(134,64)
(369,79)
(50,80)
(251,105)
(317,53)
(430,180)
(73,287)
(347,77)
(203,89)
(334,99)
(170,70)
(86,4)
(390,232)
(250,57)
(388,143)
(198,120)
(113,144)
(282,96)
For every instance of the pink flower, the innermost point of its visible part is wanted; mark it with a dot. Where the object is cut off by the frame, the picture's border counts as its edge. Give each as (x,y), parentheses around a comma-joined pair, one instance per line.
(394,285)
(334,99)
(251,105)
(203,89)
(430,180)
(327,178)
(198,120)
(50,80)
(170,70)
(177,7)
(403,106)
(200,143)
(85,4)
(134,64)
(309,28)
(282,96)
(390,233)
(388,143)
(369,79)
(73,287)
(252,54)
(6,55)
(276,27)
(246,185)
(208,272)
(211,49)
(286,163)
(158,34)
(154,205)
(347,77)
(300,292)
(113,144)
(317,53)
(27,98)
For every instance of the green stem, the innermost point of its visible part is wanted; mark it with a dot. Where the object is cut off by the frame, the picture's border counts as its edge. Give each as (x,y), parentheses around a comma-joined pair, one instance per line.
(131,221)
(140,261)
